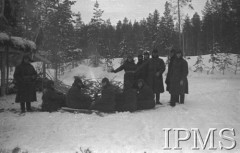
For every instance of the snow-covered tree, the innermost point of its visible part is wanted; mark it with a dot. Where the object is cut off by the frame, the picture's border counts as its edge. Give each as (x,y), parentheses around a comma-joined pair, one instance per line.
(199,65)
(79,22)
(224,61)
(237,63)
(124,50)
(214,58)
(94,28)
(166,29)
(108,63)
(93,35)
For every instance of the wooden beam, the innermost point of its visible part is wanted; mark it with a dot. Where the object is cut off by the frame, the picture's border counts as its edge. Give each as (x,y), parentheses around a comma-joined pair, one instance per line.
(7,65)
(3,73)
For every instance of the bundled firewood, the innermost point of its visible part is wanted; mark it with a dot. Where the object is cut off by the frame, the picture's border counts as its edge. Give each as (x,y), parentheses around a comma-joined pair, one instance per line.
(92,86)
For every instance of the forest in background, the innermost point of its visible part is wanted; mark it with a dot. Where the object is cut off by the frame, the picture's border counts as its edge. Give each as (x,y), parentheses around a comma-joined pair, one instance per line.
(65,37)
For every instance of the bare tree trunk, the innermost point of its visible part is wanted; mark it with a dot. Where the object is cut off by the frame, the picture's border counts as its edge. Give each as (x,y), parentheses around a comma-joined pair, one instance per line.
(237,65)
(7,65)
(56,71)
(179,26)
(44,69)
(3,73)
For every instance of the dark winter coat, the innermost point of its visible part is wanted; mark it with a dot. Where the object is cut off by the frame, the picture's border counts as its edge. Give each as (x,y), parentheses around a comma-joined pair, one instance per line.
(77,99)
(127,101)
(145,98)
(141,74)
(129,68)
(179,71)
(167,81)
(106,103)
(152,66)
(25,77)
(52,100)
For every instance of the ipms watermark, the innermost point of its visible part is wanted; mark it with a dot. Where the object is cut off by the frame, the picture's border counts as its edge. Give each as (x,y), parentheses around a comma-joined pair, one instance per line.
(226,138)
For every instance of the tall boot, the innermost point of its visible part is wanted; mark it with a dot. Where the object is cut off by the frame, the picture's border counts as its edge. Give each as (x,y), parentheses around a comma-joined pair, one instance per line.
(158,99)
(174,100)
(182,97)
(22,104)
(171,97)
(28,104)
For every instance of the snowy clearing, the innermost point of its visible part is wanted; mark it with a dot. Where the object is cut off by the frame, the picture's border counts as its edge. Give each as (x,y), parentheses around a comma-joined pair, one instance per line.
(213,102)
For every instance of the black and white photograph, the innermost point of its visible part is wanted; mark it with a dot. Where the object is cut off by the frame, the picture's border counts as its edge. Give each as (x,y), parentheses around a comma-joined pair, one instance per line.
(119,76)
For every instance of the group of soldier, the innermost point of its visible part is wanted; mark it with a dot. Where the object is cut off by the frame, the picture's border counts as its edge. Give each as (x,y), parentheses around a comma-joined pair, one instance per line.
(143,83)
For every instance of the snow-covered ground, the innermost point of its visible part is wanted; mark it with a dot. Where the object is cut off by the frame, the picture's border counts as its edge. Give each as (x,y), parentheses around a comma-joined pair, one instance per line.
(213,102)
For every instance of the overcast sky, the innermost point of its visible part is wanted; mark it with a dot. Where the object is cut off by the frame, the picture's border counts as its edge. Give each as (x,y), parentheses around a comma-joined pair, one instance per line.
(132,9)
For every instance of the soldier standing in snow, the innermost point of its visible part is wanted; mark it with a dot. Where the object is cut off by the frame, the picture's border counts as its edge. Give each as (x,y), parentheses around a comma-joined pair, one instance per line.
(172,58)
(154,68)
(25,76)
(141,74)
(146,56)
(129,67)
(178,79)
(140,60)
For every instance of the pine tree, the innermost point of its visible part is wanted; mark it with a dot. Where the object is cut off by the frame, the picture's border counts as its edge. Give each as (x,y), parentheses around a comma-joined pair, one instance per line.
(166,30)
(187,36)
(58,31)
(124,50)
(8,14)
(224,61)
(214,58)
(151,34)
(79,22)
(196,30)
(93,34)
(199,65)
(207,28)
(237,63)
(179,4)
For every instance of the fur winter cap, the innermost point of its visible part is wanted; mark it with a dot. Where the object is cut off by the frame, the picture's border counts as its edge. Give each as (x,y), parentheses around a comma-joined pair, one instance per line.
(26,57)
(77,79)
(179,51)
(105,80)
(146,53)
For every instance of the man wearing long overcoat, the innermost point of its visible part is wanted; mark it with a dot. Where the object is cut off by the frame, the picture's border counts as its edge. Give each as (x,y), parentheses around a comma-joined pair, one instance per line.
(129,67)
(172,57)
(154,68)
(179,82)
(25,77)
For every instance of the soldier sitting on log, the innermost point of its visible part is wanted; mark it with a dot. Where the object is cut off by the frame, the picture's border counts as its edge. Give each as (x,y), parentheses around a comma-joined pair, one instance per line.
(145,96)
(52,99)
(105,103)
(127,101)
(76,98)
